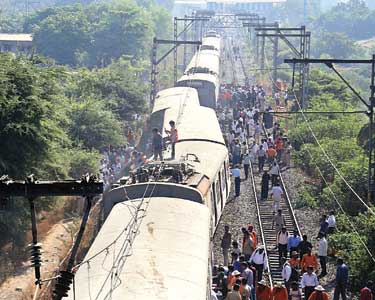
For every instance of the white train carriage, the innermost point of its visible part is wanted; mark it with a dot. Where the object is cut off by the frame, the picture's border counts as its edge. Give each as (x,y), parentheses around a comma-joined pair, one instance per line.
(211,43)
(207,85)
(170,256)
(168,259)
(206,61)
(200,145)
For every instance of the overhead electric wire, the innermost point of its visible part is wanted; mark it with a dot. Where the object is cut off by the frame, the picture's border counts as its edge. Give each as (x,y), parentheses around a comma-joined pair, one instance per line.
(338,202)
(330,160)
(328,186)
(325,153)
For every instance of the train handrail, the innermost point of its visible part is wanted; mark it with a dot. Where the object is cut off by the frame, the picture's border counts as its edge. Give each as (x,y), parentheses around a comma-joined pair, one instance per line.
(260,225)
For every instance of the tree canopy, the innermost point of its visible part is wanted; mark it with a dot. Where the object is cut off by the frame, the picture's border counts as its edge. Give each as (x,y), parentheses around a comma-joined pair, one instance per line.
(95,34)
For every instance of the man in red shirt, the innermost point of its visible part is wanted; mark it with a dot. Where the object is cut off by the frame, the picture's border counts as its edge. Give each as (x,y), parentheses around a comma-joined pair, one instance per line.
(366,292)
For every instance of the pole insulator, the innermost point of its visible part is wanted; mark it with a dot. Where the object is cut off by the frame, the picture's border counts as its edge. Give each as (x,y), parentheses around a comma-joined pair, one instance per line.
(62,286)
(36,255)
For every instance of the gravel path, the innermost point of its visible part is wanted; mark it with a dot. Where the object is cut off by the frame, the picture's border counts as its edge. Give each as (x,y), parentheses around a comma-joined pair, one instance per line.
(237,214)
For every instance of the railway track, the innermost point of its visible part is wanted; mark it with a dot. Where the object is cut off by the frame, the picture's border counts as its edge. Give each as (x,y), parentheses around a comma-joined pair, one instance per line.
(235,69)
(265,213)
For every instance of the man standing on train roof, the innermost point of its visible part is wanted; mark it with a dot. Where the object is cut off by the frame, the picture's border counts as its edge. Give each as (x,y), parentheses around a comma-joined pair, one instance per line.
(173,136)
(157,144)
(226,242)
(236,172)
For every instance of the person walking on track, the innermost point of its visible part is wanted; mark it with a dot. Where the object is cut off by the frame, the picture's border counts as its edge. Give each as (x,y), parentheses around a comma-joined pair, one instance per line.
(226,242)
(236,172)
(342,277)
(265,186)
(246,164)
(309,281)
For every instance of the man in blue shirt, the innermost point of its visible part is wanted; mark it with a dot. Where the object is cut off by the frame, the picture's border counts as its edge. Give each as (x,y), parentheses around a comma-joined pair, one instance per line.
(342,278)
(293,242)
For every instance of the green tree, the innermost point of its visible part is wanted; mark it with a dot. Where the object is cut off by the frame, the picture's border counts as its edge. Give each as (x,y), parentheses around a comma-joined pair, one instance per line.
(94,126)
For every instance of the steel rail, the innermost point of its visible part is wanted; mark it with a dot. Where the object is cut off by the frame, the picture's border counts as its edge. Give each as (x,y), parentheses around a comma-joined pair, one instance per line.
(261,225)
(287,197)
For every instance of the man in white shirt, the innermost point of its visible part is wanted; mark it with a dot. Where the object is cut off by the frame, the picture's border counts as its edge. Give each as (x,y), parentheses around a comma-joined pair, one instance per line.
(251,124)
(282,243)
(309,281)
(322,253)
(286,273)
(236,173)
(331,222)
(265,144)
(277,193)
(258,258)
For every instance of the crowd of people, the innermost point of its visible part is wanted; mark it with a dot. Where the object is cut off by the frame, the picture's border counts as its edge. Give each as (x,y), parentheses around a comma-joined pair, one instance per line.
(301,263)
(116,158)
(245,262)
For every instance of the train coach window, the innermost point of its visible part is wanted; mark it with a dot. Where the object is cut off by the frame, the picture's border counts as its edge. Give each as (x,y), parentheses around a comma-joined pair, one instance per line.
(219,198)
(226,169)
(222,189)
(213,201)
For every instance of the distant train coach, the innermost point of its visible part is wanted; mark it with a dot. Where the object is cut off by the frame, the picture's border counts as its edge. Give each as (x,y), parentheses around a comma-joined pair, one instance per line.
(203,71)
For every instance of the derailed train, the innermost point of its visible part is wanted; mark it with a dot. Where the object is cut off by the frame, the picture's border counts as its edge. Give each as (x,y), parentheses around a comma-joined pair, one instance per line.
(156,242)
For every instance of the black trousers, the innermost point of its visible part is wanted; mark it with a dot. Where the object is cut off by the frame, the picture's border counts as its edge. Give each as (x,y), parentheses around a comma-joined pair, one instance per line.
(323,264)
(308,291)
(259,268)
(237,185)
(173,150)
(283,250)
(339,290)
(246,170)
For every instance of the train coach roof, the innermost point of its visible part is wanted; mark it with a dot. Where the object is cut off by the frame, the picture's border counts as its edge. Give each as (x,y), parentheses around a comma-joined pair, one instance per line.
(175,98)
(211,41)
(205,61)
(168,258)
(200,76)
(193,121)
